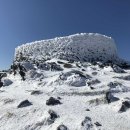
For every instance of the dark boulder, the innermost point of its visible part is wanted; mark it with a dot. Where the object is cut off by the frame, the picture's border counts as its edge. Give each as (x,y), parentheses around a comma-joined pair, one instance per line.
(87,109)
(55,67)
(52,101)
(24,103)
(127,78)
(67,65)
(97,124)
(114,84)
(110,98)
(87,124)
(60,62)
(52,117)
(36,92)
(94,73)
(125,106)
(2,75)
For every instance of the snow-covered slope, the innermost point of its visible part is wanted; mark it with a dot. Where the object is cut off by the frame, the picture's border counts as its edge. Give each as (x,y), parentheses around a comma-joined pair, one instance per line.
(59,94)
(81,93)
(78,47)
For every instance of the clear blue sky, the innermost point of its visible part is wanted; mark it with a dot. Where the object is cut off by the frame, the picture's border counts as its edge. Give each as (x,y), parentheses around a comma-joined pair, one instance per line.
(24,21)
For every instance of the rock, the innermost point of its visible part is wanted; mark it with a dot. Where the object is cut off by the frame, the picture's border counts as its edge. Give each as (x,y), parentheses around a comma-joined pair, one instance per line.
(49,118)
(7,82)
(87,109)
(33,74)
(93,82)
(118,87)
(44,66)
(55,67)
(117,69)
(2,75)
(92,87)
(87,124)
(110,98)
(83,70)
(62,127)
(97,124)
(36,92)
(125,106)
(52,117)
(74,78)
(8,100)
(52,101)
(126,77)
(59,98)
(94,73)
(67,65)
(24,103)
(114,84)
(60,62)
(28,65)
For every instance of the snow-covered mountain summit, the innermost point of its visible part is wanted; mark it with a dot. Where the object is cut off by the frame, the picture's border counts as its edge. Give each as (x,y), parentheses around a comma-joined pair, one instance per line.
(62,84)
(78,47)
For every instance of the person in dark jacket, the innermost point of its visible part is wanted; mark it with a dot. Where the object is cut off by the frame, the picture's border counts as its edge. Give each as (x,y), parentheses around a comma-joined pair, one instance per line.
(22,74)
(22,71)
(1,83)
(14,67)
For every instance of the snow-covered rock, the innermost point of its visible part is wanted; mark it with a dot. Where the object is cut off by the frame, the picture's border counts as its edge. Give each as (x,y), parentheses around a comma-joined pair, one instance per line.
(78,47)
(7,82)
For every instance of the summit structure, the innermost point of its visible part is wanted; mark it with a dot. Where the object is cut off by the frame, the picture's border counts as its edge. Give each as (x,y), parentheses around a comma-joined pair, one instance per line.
(77,47)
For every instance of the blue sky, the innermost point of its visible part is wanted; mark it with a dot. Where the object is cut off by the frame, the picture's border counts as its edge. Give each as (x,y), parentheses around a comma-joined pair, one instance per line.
(23,21)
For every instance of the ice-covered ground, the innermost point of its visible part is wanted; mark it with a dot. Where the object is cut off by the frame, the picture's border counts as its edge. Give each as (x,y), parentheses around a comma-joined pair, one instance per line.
(79,87)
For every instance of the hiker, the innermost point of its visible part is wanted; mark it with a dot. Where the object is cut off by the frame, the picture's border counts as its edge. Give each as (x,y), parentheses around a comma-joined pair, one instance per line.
(22,74)
(1,83)
(14,67)
(22,71)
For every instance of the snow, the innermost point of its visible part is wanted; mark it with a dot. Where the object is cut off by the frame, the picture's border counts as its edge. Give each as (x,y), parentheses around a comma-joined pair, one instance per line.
(75,100)
(80,87)
(77,47)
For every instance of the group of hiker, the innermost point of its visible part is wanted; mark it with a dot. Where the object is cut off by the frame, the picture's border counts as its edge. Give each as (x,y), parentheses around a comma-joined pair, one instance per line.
(21,69)
(18,68)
